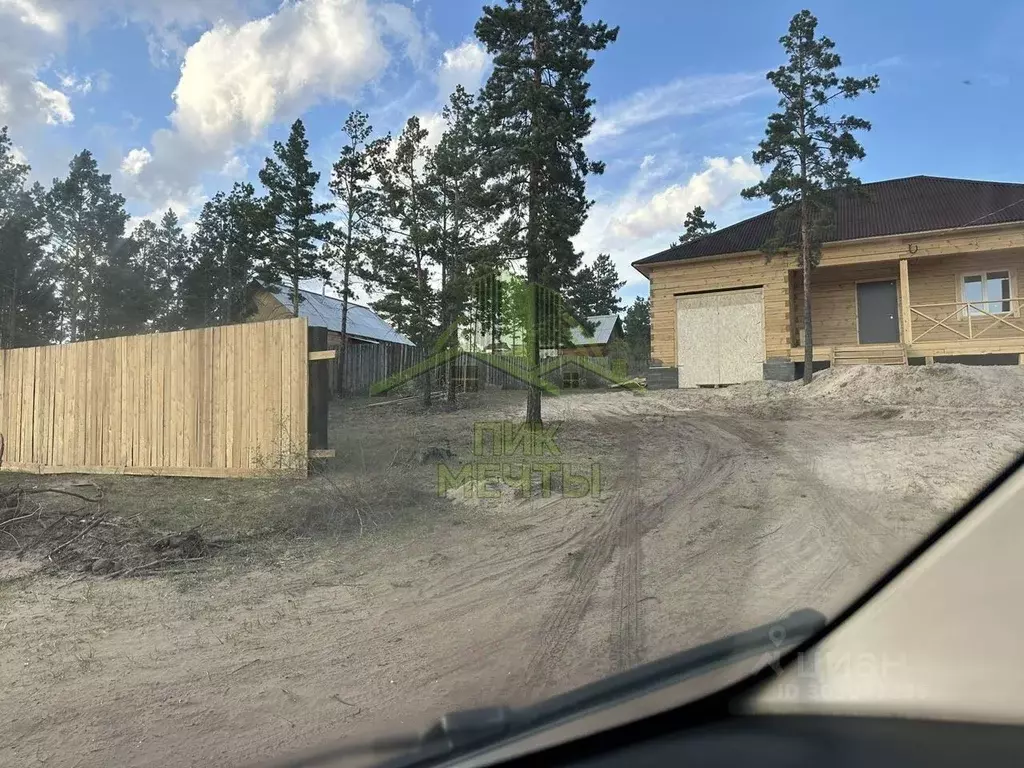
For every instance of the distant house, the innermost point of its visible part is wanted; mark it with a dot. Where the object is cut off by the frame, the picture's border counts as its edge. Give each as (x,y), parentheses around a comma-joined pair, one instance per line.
(607,328)
(364,325)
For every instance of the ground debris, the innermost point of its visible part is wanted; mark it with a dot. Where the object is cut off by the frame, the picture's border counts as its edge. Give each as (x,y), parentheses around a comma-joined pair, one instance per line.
(68,529)
(434,453)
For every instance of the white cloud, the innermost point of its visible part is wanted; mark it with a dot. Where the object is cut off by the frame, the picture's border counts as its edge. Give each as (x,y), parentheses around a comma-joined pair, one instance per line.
(34,32)
(433,124)
(69,81)
(186,207)
(679,98)
(53,105)
(648,215)
(463,65)
(235,168)
(665,211)
(135,161)
(466,64)
(238,79)
(33,14)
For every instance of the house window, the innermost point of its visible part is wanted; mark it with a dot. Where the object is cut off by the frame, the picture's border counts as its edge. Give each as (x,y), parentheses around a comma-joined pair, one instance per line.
(987,292)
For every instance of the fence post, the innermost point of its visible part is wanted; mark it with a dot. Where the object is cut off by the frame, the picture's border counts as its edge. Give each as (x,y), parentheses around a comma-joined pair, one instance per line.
(319,391)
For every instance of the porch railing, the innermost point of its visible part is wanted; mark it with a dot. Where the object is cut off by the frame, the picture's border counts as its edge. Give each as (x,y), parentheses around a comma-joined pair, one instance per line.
(979,320)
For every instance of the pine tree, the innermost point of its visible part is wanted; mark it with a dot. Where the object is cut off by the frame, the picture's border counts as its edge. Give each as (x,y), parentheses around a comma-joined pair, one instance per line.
(28,308)
(250,226)
(360,214)
(696,225)
(86,220)
(291,189)
(162,257)
(809,151)
(535,113)
(595,288)
(637,330)
(228,250)
(203,291)
(458,219)
(125,298)
(401,266)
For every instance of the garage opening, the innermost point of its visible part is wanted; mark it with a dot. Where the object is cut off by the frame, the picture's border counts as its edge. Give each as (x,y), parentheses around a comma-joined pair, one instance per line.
(720,337)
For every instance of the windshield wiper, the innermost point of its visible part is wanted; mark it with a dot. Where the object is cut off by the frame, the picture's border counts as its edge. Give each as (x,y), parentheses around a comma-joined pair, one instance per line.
(467,729)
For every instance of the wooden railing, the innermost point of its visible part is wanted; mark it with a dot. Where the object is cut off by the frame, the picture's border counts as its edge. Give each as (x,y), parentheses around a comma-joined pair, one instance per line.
(962,311)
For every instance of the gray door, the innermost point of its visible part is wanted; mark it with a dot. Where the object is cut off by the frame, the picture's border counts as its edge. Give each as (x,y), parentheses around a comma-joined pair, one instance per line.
(878,313)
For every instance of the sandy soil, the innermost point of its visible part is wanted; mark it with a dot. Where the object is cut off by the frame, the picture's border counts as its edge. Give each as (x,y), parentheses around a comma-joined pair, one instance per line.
(719,509)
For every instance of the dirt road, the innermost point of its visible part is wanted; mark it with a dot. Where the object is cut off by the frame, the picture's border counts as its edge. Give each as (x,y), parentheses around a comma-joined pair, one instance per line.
(718,510)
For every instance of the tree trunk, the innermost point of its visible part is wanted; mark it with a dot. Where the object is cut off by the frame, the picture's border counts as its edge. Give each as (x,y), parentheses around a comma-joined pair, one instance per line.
(805,241)
(805,258)
(426,378)
(533,266)
(448,325)
(344,329)
(295,295)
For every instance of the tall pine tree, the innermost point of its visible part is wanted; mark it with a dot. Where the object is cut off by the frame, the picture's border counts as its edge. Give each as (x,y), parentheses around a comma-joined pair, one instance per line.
(203,289)
(809,151)
(86,220)
(535,113)
(126,300)
(458,218)
(228,250)
(291,182)
(402,267)
(595,288)
(160,253)
(696,224)
(637,330)
(360,214)
(28,308)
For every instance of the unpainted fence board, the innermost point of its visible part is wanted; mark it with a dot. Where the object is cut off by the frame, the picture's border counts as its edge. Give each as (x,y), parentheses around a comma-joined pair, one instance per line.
(227,402)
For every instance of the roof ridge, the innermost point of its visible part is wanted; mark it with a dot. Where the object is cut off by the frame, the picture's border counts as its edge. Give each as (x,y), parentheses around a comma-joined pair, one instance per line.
(325,296)
(890,206)
(961,180)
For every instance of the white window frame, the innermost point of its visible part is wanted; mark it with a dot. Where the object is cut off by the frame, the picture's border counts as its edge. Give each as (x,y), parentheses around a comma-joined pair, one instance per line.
(983,274)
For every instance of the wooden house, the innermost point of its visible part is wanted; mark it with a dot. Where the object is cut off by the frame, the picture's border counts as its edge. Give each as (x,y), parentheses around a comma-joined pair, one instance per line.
(919,269)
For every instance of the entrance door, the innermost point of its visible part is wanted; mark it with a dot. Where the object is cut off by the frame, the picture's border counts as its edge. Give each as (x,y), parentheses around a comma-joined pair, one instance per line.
(878,312)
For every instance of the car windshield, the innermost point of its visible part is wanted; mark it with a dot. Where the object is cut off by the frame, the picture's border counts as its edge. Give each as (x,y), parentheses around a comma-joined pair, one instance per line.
(363,361)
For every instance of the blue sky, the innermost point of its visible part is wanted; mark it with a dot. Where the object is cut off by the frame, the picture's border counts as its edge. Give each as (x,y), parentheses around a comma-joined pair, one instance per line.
(179,98)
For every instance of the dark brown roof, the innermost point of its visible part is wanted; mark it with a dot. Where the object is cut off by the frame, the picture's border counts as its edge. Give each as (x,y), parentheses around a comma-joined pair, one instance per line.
(895,207)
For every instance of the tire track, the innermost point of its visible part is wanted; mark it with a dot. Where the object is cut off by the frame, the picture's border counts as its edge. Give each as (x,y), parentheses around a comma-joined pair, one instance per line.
(562,624)
(706,464)
(627,642)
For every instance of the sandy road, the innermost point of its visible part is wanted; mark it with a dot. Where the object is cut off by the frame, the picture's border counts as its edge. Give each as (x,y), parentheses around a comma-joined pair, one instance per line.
(712,519)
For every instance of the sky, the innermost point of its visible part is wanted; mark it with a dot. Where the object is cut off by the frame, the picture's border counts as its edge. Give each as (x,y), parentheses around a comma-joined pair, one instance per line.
(178,99)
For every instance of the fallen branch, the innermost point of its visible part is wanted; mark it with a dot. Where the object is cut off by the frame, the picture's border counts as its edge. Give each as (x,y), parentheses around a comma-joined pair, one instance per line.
(16,519)
(77,536)
(146,566)
(43,532)
(67,493)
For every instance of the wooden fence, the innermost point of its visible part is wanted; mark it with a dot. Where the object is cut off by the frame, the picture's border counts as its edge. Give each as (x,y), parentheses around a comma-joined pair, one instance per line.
(366,365)
(215,402)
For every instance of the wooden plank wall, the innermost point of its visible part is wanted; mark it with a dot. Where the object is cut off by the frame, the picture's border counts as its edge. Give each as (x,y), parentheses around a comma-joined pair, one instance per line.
(752,271)
(933,281)
(834,300)
(214,402)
